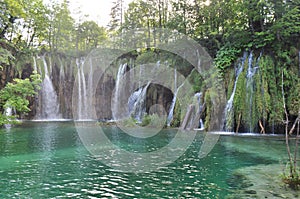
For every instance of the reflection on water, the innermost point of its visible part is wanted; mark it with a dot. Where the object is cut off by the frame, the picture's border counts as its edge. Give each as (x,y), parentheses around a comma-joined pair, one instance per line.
(48,160)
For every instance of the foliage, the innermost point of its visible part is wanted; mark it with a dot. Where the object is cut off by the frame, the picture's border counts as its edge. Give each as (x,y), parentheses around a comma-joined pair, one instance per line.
(5,56)
(239,98)
(129,122)
(294,182)
(15,95)
(176,115)
(196,80)
(294,99)
(30,24)
(148,57)
(153,120)
(116,15)
(208,116)
(226,57)
(89,36)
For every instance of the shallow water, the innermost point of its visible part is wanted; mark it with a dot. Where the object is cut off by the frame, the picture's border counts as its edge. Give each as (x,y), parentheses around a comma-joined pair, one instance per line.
(48,160)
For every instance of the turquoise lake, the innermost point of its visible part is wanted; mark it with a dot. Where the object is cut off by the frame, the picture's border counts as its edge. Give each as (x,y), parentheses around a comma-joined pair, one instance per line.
(48,160)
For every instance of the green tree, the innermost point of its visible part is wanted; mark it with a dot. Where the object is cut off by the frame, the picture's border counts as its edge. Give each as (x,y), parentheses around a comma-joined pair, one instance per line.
(90,35)
(11,10)
(180,18)
(137,16)
(116,15)
(22,30)
(15,95)
(61,28)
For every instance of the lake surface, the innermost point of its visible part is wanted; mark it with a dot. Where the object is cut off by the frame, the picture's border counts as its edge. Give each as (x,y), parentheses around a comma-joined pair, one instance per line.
(48,160)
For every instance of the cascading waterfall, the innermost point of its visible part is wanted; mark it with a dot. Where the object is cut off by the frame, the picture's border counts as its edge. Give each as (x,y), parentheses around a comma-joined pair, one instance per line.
(139,108)
(200,108)
(119,89)
(82,111)
(79,107)
(84,94)
(250,88)
(9,111)
(201,125)
(171,111)
(253,66)
(49,104)
(133,99)
(172,107)
(229,106)
(137,101)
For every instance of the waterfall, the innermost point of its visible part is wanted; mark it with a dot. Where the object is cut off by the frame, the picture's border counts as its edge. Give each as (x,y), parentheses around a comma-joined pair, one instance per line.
(250,88)
(201,125)
(49,103)
(171,111)
(136,102)
(79,107)
(119,86)
(200,109)
(229,105)
(172,107)
(85,90)
(133,99)
(139,108)
(82,112)
(8,112)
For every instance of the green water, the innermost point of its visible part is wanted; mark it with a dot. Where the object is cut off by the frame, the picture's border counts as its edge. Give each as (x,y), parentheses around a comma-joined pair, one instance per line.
(48,160)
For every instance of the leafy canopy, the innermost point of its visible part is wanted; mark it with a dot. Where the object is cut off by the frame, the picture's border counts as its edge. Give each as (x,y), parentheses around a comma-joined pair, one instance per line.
(15,95)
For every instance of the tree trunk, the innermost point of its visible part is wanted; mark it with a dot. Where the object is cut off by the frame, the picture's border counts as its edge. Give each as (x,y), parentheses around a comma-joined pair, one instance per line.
(295,124)
(286,122)
(262,127)
(296,148)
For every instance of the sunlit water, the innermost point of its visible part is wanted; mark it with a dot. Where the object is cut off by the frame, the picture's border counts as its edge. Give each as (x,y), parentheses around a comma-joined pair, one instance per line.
(48,160)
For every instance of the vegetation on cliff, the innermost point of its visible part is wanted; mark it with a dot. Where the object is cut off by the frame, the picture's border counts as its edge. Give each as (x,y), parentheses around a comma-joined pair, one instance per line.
(268,29)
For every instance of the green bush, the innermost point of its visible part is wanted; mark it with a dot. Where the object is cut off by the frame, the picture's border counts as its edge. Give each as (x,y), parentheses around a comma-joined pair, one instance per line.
(15,95)
(153,121)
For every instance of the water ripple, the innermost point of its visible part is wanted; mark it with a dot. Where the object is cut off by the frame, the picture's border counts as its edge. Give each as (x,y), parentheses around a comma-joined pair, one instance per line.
(56,165)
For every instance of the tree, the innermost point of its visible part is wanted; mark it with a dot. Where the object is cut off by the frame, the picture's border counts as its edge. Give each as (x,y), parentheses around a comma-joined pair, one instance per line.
(116,15)
(90,35)
(22,31)
(293,179)
(11,10)
(61,28)
(180,17)
(15,95)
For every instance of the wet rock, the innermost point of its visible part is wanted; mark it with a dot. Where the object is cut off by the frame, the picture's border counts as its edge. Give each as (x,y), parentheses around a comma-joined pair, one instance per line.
(250,192)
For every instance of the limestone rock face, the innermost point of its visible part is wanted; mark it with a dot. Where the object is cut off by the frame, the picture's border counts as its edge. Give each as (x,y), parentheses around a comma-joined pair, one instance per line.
(157,94)
(64,74)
